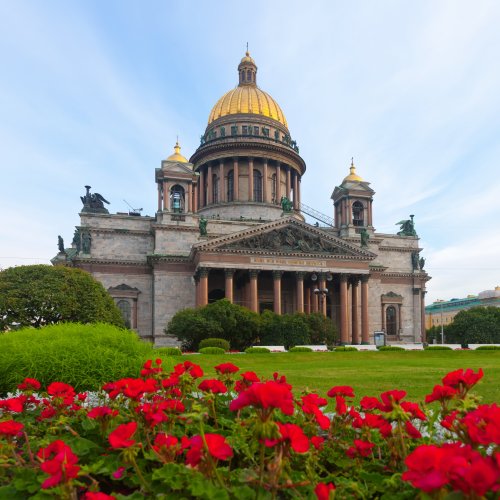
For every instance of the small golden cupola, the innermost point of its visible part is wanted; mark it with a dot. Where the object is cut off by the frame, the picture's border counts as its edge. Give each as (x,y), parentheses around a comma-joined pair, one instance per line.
(353,176)
(176,156)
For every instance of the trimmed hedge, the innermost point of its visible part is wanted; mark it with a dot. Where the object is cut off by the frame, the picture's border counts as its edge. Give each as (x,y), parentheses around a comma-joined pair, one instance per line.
(257,350)
(438,348)
(214,342)
(390,348)
(168,351)
(300,349)
(84,356)
(211,350)
(488,348)
(345,348)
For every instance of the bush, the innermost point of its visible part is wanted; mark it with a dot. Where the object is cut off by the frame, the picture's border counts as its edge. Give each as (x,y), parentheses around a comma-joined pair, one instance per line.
(211,350)
(257,350)
(168,351)
(85,356)
(296,330)
(300,349)
(271,330)
(221,343)
(478,325)
(438,348)
(191,327)
(321,329)
(488,348)
(343,348)
(390,348)
(44,295)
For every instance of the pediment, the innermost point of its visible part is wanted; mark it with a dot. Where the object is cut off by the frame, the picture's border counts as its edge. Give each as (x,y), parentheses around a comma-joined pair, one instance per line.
(171,167)
(286,237)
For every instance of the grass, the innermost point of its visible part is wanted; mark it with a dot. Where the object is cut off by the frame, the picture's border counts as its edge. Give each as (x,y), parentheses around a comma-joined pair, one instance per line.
(369,373)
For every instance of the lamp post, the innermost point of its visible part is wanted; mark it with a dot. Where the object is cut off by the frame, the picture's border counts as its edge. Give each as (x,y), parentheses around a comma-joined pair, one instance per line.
(442,328)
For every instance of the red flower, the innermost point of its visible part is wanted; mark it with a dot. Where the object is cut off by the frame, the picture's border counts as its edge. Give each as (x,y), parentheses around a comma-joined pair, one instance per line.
(360,449)
(156,412)
(250,377)
(317,442)
(118,473)
(424,468)
(133,388)
(483,424)
(413,409)
(97,496)
(463,378)
(10,428)
(323,491)
(310,406)
(62,391)
(340,405)
(391,398)
(188,367)
(29,384)
(147,370)
(120,437)
(213,385)
(292,434)
(100,412)
(225,368)
(15,405)
(440,393)
(266,395)
(216,444)
(341,390)
(449,421)
(59,461)
(166,446)
(412,430)
(370,403)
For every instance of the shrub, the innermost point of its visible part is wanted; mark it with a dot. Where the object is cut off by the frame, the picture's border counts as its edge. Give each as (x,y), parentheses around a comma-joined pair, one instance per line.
(85,356)
(300,349)
(257,350)
(478,325)
(211,350)
(271,329)
(321,329)
(168,351)
(488,348)
(190,327)
(296,330)
(343,348)
(221,343)
(44,295)
(438,348)
(390,348)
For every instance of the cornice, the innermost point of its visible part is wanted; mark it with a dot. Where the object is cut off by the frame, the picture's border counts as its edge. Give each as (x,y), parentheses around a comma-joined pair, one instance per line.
(115,262)
(385,248)
(152,258)
(134,232)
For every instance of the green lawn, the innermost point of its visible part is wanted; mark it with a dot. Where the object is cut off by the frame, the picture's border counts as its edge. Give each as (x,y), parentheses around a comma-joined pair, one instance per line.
(369,373)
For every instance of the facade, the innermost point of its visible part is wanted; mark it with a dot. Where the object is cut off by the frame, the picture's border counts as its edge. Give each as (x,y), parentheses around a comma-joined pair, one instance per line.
(442,312)
(230,224)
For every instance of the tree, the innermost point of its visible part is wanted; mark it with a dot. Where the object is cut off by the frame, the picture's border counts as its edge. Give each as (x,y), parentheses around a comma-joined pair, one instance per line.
(43,295)
(478,325)
(321,329)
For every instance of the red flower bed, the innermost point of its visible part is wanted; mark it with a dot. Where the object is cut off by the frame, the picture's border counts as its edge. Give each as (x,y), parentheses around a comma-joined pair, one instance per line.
(238,436)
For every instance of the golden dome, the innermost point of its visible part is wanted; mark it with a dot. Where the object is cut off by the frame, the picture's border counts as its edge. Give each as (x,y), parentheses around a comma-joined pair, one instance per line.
(353,176)
(177,155)
(247,98)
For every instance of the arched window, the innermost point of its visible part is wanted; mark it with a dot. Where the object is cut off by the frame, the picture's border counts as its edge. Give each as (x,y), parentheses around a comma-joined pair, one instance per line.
(215,189)
(249,75)
(273,189)
(177,198)
(391,321)
(257,186)
(230,185)
(126,310)
(357,214)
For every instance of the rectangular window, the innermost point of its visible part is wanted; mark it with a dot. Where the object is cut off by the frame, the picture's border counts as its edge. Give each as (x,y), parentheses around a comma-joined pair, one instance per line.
(256,131)
(234,130)
(265,132)
(244,130)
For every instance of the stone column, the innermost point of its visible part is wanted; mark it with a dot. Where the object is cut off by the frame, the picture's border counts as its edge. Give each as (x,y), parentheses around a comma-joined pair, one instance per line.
(299,277)
(370,215)
(222,192)
(307,300)
(236,179)
(187,201)
(344,327)
(202,182)
(278,183)
(229,273)
(264,183)
(365,335)
(254,298)
(321,295)
(288,182)
(422,312)
(197,289)
(250,179)
(165,195)
(196,195)
(298,189)
(355,311)
(204,286)
(295,191)
(277,291)
(210,191)
(159,197)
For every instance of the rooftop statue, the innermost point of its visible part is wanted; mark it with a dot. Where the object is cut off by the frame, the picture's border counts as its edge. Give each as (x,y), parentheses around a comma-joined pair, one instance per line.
(286,204)
(60,244)
(93,203)
(407,227)
(203,226)
(364,237)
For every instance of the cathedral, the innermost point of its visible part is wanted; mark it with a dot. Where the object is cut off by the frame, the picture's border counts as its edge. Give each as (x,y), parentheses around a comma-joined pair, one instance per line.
(230,223)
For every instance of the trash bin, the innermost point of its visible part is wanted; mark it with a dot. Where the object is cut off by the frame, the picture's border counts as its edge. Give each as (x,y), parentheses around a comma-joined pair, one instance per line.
(379,338)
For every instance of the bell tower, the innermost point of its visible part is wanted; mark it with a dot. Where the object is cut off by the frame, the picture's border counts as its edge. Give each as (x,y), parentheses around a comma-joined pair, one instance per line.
(352,202)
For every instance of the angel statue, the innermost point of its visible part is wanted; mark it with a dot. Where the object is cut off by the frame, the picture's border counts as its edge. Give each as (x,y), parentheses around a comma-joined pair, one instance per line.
(407,227)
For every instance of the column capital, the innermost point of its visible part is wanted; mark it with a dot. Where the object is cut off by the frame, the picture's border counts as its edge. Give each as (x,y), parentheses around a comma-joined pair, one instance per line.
(229,273)
(235,159)
(221,161)
(253,273)
(365,278)
(300,275)
(354,279)
(203,272)
(196,277)
(250,158)
(277,275)
(344,277)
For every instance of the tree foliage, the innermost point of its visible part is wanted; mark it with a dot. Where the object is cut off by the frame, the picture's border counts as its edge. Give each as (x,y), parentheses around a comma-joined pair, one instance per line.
(42,295)
(479,325)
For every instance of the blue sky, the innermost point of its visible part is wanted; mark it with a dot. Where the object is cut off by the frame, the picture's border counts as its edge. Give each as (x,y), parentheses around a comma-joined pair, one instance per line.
(95,93)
